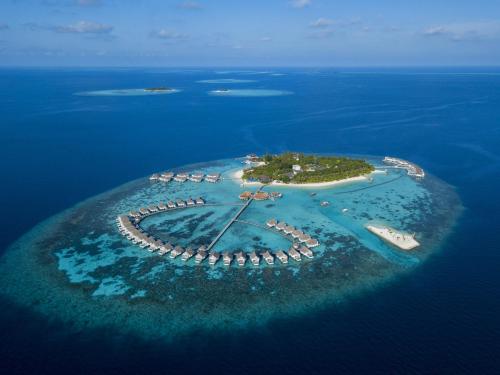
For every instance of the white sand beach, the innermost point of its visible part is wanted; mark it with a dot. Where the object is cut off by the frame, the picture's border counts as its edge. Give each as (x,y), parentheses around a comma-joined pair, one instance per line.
(237,177)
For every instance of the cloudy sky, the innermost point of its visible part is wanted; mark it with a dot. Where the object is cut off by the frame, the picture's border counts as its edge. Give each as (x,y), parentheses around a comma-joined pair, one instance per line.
(249,33)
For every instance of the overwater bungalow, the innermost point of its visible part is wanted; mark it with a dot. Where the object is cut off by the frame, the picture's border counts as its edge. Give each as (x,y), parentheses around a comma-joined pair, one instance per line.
(294,254)
(268,257)
(196,177)
(180,178)
(304,238)
(254,258)
(134,214)
(306,252)
(162,206)
(167,174)
(144,211)
(166,248)
(213,177)
(261,196)
(312,242)
(190,202)
(227,258)
(153,209)
(246,195)
(241,258)
(271,223)
(288,229)
(213,258)
(200,201)
(280,226)
(200,255)
(164,179)
(280,254)
(296,233)
(188,254)
(275,194)
(180,203)
(171,204)
(178,250)
(154,177)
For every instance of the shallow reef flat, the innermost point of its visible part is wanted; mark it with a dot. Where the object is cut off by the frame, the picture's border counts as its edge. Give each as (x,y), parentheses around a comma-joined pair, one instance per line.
(127,92)
(78,268)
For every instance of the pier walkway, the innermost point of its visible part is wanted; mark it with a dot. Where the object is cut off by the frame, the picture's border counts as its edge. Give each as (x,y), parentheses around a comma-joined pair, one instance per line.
(228,225)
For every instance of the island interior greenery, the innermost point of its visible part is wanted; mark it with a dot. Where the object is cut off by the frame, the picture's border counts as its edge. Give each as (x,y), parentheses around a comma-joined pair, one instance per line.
(292,167)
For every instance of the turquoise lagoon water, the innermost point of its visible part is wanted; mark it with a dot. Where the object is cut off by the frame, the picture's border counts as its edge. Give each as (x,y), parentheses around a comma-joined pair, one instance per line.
(79,265)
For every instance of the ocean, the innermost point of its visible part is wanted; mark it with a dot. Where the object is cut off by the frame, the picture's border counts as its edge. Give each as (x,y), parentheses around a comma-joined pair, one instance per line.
(59,147)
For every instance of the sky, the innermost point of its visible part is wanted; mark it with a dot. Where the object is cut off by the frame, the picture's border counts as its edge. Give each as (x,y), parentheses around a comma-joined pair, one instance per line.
(249,33)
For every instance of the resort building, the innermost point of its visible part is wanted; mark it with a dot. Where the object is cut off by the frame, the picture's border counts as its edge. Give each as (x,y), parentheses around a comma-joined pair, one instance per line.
(227,258)
(200,255)
(268,257)
(180,203)
(294,254)
(261,196)
(283,258)
(200,201)
(312,243)
(171,204)
(254,258)
(271,223)
(178,250)
(188,254)
(214,177)
(154,177)
(246,195)
(213,258)
(241,258)
(306,252)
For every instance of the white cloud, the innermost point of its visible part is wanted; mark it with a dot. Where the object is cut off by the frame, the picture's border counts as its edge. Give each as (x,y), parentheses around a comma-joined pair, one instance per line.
(190,5)
(485,30)
(300,3)
(322,22)
(169,34)
(84,27)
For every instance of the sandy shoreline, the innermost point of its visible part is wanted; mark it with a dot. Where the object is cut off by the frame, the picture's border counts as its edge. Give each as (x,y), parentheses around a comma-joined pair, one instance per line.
(237,177)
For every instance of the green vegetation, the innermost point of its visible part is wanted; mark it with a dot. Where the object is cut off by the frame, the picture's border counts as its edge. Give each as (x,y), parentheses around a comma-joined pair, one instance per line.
(312,168)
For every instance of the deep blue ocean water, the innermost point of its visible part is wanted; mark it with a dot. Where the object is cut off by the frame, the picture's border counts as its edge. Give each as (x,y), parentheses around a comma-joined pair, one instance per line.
(57,148)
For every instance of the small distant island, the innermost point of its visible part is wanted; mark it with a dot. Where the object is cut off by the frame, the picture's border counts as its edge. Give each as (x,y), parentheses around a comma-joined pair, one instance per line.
(156,89)
(299,168)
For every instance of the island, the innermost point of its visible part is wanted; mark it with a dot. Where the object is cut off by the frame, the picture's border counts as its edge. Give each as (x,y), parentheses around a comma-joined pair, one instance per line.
(299,168)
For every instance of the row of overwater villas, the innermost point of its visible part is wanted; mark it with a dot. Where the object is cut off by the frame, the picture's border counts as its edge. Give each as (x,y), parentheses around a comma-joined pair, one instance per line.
(135,234)
(411,169)
(179,203)
(183,177)
(292,231)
